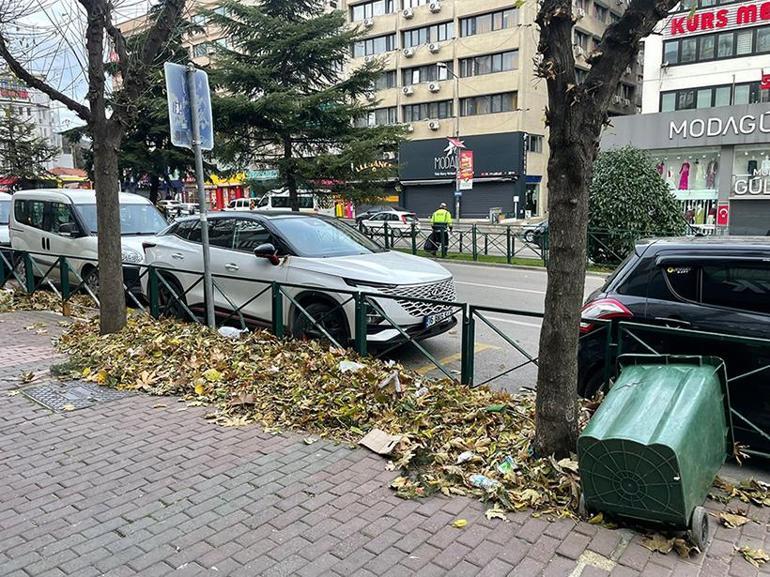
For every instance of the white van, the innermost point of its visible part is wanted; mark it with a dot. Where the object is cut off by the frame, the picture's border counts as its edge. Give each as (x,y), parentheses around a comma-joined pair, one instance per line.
(60,222)
(278,200)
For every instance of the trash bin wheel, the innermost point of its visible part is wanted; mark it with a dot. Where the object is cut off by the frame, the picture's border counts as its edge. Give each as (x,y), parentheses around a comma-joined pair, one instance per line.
(699,527)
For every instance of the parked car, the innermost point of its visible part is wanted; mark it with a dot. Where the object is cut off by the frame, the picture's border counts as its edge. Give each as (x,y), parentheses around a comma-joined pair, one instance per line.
(61,222)
(372,210)
(246,203)
(5,239)
(711,284)
(189,208)
(398,221)
(535,233)
(249,250)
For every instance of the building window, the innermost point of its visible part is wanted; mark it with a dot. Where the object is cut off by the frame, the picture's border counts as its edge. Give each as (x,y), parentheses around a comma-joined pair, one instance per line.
(386,80)
(723,45)
(199,20)
(712,96)
(199,50)
(489,22)
(489,63)
(366,10)
(427,111)
(376,45)
(601,13)
(414,3)
(580,75)
(535,143)
(488,104)
(427,73)
(435,33)
(583,40)
(378,117)
(614,18)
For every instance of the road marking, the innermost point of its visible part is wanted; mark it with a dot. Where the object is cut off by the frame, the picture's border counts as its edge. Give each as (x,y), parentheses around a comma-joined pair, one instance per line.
(512,322)
(425,369)
(504,288)
(476,266)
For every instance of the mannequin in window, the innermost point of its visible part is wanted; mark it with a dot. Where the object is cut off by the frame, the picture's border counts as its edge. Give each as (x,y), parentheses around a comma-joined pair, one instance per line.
(711,174)
(751,169)
(698,176)
(661,168)
(684,176)
(670,178)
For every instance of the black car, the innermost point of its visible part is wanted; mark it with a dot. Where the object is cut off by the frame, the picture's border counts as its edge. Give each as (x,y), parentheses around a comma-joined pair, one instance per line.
(710,284)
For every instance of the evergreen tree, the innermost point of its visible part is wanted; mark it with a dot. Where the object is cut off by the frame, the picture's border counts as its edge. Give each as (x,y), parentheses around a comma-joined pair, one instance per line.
(23,154)
(284,100)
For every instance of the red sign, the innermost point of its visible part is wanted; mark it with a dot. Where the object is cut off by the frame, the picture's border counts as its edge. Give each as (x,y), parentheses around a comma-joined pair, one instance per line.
(748,14)
(723,214)
(764,84)
(465,170)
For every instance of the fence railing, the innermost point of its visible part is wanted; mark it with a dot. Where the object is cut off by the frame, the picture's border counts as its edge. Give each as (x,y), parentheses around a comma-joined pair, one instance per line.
(351,318)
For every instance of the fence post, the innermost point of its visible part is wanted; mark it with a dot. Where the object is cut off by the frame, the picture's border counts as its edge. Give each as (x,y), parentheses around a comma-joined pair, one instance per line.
(277,310)
(386,234)
(467,346)
(508,243)
(2,268)
(361,323)
(64,274)
(444,239)
(461,242)
(486,243)
(414,239)
(29,275)
(475,246)
(154,296)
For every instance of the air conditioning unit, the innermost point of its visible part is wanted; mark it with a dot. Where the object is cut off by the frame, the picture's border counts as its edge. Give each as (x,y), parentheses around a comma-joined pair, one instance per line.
(434,47)
(435,7)
(368,22)
(434,86)
(389,155)
(369,59)
(616,99)
(434,124)
(409,128)
(408,52)
(407,90)
(579,50)
(371,97)
(580,12)
(628,70)
(626,102)
(408,13)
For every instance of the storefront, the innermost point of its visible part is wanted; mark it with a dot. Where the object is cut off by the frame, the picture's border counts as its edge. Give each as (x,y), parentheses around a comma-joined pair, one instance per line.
(427,171)
(221,191)
(714,158)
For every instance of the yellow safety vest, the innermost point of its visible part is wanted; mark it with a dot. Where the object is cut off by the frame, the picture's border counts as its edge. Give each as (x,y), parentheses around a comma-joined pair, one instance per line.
(441,216)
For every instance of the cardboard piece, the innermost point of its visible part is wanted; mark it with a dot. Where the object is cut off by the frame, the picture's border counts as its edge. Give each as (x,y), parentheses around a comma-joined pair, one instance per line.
(380,442)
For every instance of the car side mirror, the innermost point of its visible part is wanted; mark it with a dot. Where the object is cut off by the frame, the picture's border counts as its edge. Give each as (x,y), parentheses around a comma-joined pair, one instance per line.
(69,229)
(269,252)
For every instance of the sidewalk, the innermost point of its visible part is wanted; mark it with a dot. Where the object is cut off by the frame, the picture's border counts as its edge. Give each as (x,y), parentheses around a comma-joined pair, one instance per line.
(145,486)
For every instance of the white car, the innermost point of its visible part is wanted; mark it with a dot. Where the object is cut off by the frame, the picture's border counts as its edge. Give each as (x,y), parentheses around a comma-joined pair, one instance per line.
(398,221)
(49,223)
(309,250)
(242,204)
(5,213)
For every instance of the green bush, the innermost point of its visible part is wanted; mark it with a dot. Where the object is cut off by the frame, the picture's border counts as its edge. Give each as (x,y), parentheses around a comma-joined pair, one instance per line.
(629,200)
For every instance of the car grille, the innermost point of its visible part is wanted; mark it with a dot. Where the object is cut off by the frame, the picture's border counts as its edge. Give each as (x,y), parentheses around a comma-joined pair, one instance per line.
(441,291)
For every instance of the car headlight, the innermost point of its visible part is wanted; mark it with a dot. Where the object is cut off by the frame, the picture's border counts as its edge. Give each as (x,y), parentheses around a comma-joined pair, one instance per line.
(131,256)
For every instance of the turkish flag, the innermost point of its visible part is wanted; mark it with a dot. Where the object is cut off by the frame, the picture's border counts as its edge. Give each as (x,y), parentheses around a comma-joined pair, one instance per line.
(764,84)
(723,215)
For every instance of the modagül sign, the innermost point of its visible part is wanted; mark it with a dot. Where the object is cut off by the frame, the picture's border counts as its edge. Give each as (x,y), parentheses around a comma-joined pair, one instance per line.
(714,126)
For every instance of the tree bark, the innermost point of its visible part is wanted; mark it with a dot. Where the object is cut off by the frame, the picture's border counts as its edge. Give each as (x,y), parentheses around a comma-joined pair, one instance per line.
(290,174)
(575,117)
(154,188)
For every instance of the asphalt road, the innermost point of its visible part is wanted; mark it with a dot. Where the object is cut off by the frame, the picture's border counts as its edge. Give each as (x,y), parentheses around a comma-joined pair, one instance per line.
(499,287)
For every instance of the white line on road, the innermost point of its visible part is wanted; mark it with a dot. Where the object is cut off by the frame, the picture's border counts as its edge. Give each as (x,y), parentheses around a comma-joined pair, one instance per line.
(521,323)
(503,288)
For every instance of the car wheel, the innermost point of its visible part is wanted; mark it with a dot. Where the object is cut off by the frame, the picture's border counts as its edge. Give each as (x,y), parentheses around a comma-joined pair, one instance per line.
(529,236)
(171,305)
(91,280)
(331,318)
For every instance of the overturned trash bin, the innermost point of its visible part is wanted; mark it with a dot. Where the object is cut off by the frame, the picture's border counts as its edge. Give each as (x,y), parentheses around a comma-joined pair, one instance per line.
(653,448)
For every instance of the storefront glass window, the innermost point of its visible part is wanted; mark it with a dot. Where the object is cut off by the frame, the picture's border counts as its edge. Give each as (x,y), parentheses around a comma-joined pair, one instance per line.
(707,47)
(751,172)
(763,40)
(742,94)
(725,45)
(686,100)
(668,102)
(671,52)
(704,98)
(689,50)
(722,96)
(743,44)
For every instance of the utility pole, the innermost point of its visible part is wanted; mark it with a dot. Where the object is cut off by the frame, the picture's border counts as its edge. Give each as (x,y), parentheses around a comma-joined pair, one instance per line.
(456,107)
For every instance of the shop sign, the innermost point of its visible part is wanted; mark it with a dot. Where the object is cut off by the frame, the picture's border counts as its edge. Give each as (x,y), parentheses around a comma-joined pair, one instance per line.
(271,174)
(755,185)
(465,173)
(764,84)
(12,89)
(723,214)
(716,126)
(728,18)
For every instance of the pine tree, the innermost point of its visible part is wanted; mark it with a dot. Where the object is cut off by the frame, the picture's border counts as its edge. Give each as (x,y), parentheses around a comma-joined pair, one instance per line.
(23,154)
(284,99)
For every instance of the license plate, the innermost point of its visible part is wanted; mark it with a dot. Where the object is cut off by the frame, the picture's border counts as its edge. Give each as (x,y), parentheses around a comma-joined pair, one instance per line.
(431,320)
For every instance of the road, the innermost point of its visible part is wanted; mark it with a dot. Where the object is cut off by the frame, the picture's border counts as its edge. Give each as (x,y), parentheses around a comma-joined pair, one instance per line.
(518,289)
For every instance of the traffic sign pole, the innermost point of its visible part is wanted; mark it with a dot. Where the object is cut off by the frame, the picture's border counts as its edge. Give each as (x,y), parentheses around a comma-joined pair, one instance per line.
(208,282)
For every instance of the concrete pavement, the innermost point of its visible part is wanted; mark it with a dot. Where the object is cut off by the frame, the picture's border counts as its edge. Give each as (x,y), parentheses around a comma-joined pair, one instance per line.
(146,486)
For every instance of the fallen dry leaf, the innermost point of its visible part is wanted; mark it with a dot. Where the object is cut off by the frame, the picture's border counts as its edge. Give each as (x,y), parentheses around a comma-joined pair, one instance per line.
(732,520)
(459,523)
(68,407)
(659,543)
(756,557)
(495,513)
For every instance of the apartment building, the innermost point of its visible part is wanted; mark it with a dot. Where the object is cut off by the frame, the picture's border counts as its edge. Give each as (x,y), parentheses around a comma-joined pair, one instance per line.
(464,68)
(706,120)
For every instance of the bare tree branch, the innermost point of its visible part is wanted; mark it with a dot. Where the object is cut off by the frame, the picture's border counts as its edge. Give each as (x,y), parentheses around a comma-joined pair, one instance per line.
(34,82)
(118,40)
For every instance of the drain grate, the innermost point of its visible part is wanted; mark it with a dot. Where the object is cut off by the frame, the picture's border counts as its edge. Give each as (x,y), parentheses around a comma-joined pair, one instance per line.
(56,396)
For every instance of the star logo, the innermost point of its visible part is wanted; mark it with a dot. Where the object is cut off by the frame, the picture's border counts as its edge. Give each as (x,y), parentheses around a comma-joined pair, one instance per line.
(453,145)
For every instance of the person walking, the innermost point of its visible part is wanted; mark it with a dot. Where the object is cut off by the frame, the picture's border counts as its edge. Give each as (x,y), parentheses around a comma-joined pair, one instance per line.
(441,224)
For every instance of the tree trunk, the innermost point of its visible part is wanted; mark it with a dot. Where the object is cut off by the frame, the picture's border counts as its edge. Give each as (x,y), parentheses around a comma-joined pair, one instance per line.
(154,188)
(290,174)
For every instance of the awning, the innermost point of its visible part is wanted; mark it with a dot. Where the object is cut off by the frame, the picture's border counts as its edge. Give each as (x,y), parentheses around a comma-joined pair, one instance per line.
(533,178)
(8,180)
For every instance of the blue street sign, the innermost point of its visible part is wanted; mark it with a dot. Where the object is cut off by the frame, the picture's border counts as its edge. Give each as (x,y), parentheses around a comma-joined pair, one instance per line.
(458,193)
(179,114)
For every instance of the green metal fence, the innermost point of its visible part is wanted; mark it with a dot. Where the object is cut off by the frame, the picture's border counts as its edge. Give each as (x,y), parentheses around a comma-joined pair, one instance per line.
(747,359)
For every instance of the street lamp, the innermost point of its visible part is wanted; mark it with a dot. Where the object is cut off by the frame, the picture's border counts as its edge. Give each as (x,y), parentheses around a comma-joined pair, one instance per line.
(456,107)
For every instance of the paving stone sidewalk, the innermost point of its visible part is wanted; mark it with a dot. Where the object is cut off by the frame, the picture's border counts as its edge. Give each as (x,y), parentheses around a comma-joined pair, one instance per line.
(143,486)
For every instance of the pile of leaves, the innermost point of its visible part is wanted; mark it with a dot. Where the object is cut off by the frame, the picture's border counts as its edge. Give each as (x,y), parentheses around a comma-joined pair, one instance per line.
(450,434)
(41,300)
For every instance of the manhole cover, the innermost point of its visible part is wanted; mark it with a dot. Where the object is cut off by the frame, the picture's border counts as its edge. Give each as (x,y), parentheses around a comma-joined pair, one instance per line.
(56,396)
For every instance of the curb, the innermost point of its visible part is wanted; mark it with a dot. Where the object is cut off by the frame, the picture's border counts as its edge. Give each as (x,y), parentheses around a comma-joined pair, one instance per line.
(508,266)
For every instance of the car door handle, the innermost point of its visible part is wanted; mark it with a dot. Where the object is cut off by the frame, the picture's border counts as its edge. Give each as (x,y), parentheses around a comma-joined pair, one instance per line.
(673,322)
(177,255)
(232,267)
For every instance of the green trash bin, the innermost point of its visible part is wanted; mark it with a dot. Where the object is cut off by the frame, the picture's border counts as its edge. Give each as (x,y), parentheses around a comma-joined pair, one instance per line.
(654,446)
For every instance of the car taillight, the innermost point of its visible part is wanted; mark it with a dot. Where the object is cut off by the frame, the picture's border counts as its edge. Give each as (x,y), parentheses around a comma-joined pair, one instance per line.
(602,309)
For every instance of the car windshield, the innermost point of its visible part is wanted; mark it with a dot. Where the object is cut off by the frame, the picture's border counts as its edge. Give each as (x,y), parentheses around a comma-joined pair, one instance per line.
(321,237)
(135,219)
(5,211)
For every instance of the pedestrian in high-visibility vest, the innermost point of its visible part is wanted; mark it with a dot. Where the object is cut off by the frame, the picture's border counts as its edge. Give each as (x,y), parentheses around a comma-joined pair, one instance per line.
(441,223)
